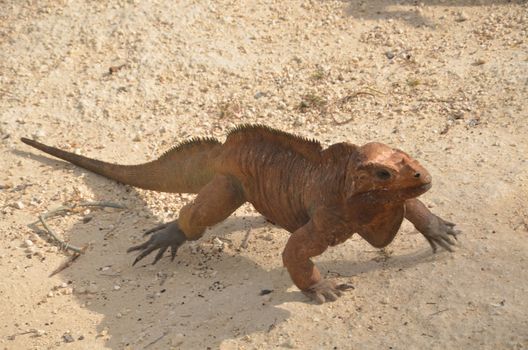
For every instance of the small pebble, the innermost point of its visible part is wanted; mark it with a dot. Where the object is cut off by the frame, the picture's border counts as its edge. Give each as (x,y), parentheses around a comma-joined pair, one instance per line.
(461,17)
(67,338)
(39,134)
(259,95)
(218,244)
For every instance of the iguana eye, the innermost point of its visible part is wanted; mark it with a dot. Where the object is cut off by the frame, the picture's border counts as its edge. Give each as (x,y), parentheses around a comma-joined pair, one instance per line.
(383,175)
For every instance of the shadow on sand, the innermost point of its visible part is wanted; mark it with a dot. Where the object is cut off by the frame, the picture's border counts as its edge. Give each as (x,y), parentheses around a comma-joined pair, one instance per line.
(384,9)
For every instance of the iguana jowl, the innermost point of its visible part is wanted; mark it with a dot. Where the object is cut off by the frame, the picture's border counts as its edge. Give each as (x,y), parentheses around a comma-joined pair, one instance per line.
(321,196)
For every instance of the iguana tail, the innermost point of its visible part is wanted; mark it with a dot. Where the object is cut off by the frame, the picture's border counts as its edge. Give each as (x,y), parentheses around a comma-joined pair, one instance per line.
(185,168)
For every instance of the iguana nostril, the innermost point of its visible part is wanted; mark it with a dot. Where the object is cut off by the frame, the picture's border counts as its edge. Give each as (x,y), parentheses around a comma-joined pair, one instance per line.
(417,175)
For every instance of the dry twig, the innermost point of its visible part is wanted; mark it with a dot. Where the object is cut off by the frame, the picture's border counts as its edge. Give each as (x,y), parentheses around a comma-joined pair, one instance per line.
(348,99)
(244,244)
(69,208)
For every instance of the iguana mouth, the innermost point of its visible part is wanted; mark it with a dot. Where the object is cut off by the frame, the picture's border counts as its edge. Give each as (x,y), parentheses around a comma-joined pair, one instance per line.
(418,190)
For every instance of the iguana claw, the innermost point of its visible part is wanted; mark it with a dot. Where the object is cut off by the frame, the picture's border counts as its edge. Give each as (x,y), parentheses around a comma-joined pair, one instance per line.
(326,290)
(167,235)
(441,233)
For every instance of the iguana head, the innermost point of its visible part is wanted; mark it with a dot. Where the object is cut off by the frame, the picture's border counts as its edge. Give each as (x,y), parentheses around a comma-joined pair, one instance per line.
(387,173)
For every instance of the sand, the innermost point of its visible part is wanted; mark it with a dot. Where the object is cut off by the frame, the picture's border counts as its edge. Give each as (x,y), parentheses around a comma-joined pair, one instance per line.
(125,80)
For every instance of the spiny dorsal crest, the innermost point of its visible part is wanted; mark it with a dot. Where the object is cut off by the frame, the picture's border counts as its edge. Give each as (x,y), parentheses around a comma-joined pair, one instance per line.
(195,142)
(309,148)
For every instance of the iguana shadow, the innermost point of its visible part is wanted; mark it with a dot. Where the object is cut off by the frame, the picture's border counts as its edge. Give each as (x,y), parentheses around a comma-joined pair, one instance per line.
(207,295)
(384,9)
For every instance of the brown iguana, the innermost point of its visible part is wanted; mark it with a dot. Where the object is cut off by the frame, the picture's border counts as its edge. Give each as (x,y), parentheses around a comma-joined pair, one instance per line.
(321,196)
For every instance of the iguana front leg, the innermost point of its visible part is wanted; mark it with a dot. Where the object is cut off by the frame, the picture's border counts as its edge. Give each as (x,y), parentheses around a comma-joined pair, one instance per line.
(303,244)
(436,230)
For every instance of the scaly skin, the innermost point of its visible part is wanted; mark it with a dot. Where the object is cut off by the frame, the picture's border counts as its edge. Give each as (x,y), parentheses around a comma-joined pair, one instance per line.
(321,196)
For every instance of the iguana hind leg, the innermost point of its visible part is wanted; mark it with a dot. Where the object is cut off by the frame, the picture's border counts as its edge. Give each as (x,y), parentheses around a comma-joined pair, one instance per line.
(213,204)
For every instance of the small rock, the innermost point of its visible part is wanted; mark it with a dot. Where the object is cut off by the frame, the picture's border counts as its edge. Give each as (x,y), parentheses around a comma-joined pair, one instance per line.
(39,134)
(194,248)
(461,17)
(28,243)
(137,138)
(117,287)
(259,95)
(66,291)
(458,114)
(473,122)
(218,244)
(67,338)
(18,205)
(390,55)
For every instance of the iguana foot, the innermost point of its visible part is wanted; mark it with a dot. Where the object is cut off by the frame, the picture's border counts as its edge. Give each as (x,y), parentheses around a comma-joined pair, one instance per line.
(167,235)
(441,233)
(326,290)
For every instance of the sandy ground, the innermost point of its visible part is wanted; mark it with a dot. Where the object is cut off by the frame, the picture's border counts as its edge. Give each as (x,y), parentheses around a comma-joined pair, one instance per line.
(446,83)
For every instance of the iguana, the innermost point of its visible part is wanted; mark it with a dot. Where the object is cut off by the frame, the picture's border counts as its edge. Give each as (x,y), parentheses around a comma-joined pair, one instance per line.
(322,196)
